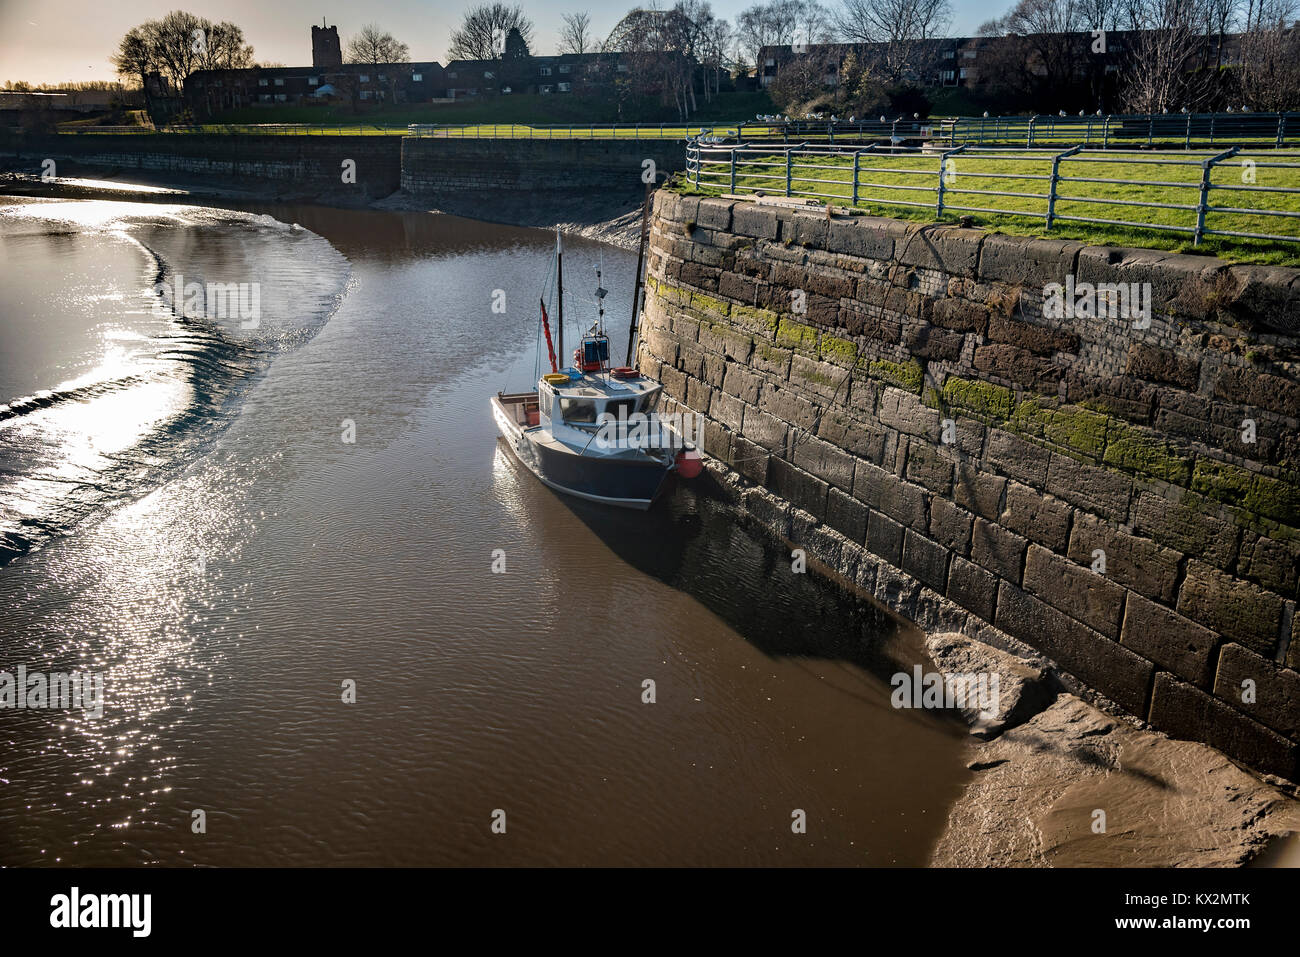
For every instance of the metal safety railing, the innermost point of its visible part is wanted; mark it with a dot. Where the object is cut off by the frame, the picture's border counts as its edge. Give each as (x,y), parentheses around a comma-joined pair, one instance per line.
(1197,194)
(245,129)
(1180,130)
(1185,130)
(580,131)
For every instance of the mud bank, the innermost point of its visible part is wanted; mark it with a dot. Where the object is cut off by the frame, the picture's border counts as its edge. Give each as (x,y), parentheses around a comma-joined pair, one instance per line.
(1061,783)
(1075,787)
(1051,758)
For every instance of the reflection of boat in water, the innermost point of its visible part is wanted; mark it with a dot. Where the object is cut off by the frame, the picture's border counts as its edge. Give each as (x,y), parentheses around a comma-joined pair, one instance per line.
(591,430)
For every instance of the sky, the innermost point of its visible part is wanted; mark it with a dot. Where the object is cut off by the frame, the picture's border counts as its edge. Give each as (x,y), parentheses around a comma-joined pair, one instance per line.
(55,41)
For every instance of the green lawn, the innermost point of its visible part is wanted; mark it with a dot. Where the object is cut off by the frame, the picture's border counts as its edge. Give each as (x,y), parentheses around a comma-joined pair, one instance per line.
(907,187)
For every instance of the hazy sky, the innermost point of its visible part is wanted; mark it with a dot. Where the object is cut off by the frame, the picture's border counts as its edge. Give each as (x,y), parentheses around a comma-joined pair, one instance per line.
(53,41)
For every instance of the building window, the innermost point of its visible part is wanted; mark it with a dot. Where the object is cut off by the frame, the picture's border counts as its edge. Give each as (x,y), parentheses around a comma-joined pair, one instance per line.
(489,75)
(366,94)
(451,74)
(770,62)
(417,77)
(313,81)
(264,97)
(968,54)
(263,82)
(546,71)
(946,76)
(365,77)
(949,54)
(564,68)
(963,73)
(472,91)
(545,88)
(383,77)
(282,97)
(565,87)
(622,68)
(279,81)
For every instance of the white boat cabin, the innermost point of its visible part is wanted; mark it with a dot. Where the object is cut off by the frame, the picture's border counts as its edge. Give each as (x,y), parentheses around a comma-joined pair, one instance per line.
(572,411)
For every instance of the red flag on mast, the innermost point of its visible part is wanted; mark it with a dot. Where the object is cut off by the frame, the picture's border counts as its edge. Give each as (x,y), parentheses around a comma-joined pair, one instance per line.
(546,327)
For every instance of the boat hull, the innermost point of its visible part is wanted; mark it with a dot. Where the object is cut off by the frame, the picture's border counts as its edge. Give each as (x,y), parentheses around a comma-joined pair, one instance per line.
(628,483)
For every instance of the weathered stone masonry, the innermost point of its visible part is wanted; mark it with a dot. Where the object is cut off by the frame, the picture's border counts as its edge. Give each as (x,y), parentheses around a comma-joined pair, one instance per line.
(1068,439)
(295,162)
(437,166)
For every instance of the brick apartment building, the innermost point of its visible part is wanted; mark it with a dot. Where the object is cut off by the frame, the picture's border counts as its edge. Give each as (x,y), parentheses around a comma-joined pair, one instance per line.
(958,61)
(329,79)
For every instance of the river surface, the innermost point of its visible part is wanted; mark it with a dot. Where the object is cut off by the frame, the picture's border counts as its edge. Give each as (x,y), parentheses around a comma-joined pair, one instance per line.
(181,513)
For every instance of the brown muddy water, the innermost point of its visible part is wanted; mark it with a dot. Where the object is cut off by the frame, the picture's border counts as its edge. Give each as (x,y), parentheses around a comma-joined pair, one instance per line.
(179,513)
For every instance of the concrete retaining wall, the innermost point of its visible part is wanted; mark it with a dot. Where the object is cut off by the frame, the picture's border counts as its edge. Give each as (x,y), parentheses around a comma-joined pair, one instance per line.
(298,163)
(972,462)
(434,167)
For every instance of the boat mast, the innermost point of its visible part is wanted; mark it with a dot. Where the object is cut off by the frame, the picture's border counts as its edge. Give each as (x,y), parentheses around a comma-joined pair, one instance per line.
(559,291)
(636,286)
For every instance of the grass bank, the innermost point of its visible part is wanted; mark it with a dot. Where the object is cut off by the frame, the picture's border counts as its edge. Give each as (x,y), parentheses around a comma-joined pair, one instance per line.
(1008,192)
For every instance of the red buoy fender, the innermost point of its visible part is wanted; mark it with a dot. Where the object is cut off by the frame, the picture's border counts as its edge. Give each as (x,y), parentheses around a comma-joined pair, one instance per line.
(689,464)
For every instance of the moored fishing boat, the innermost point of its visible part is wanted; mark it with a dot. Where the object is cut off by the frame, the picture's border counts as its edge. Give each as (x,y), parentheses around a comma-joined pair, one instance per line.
(592,430)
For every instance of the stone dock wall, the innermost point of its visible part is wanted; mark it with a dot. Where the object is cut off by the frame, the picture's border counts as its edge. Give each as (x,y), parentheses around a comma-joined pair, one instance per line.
(298,163)
(445,172)
(435,166)
(1117,493)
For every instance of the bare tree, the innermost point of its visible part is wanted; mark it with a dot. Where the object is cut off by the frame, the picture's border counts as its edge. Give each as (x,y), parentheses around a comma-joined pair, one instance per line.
(1162,75)
(482,33)
(575,33)
(1101,14)
(716,39)
(1055,35)
(224,48)
(372,45)
(178,45)
(1270,56)
(900,27)
(375,47)
(775,23)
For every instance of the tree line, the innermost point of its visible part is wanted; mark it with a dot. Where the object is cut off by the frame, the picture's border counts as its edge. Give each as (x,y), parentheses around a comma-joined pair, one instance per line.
(1179,54)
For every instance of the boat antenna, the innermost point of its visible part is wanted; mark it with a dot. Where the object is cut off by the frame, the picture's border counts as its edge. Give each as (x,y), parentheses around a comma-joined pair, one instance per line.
(559,292)
(601,292)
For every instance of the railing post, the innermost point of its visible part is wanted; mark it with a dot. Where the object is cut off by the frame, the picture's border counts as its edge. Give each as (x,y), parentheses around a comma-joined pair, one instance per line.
(1281,128)
(1105,132)
(1151,128)
(1056,176)
(1187,138)
(787,172)
(857,155)
(1029,141)
(733,170)
(943,170)
(1203,206)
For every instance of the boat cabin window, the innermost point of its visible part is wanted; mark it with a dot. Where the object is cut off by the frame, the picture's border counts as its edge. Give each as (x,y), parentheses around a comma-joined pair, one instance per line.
(578,410)
(613,406)
(544,401)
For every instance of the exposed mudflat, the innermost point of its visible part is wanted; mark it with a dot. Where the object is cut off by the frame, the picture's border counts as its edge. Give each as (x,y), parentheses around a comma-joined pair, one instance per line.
(1038,789)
